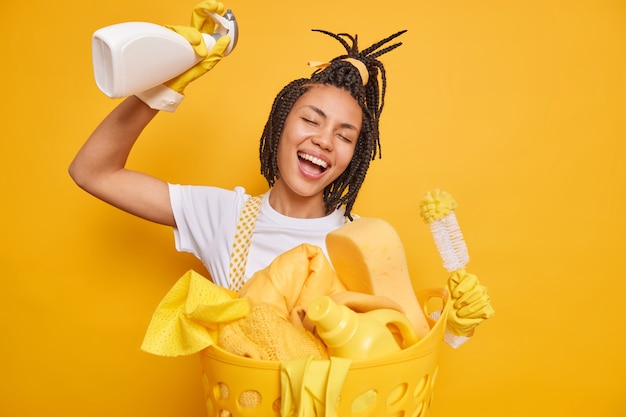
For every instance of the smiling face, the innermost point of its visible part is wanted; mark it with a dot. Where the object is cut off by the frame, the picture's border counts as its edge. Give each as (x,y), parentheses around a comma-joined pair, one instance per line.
(316,146)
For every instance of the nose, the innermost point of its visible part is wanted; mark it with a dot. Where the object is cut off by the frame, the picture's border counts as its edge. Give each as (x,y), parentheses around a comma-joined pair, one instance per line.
(324,140)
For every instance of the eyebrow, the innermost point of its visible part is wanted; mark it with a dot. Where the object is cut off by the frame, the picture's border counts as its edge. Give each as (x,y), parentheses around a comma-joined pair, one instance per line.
(322,114)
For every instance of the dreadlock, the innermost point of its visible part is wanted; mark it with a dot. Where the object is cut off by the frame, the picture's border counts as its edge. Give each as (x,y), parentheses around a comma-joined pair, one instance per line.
(371,98)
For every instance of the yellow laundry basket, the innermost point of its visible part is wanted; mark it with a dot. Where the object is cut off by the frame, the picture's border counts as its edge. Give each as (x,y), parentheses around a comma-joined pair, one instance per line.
(398,384)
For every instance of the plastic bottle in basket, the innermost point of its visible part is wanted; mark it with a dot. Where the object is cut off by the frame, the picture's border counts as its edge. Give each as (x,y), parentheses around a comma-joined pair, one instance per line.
(352,335)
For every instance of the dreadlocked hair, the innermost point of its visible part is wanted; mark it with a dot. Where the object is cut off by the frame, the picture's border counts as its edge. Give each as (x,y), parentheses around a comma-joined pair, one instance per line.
(371,97)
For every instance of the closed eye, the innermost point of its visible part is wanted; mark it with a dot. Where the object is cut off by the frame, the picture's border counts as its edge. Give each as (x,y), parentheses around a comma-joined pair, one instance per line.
(347,139)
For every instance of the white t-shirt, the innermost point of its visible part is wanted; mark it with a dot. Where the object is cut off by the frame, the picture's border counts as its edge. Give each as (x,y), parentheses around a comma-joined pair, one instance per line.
(206,221)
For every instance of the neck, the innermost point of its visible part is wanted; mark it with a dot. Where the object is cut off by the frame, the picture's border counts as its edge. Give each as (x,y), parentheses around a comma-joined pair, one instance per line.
(292,205)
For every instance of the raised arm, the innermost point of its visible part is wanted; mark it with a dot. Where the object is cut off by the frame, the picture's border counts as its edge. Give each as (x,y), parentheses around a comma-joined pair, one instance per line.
(100,166)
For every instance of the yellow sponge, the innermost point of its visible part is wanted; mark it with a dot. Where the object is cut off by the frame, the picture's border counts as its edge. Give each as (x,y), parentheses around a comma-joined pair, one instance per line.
(369,257)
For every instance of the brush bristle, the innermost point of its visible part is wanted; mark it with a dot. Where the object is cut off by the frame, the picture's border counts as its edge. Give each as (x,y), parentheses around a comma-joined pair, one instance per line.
(450,243)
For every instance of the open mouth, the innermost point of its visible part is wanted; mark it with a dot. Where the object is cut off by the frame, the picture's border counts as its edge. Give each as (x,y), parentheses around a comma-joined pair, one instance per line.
(312,164)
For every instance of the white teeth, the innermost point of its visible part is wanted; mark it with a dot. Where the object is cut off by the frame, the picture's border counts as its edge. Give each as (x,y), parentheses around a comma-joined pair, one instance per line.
(313,159)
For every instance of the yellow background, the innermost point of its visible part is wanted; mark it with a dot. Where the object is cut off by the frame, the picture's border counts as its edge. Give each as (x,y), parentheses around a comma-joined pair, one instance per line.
(514,107)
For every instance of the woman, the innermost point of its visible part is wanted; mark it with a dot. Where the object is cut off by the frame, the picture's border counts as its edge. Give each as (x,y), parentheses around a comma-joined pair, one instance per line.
(321,134)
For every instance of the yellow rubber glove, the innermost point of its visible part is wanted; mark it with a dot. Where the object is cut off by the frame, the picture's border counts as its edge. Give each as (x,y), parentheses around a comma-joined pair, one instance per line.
(201,23)
(210,59)
(169,95)
(201,20)
(471,304)
(311,387)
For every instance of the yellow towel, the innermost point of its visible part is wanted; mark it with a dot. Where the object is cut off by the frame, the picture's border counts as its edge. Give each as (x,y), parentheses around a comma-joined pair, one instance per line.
(264,335)
(186,319)
(292,281)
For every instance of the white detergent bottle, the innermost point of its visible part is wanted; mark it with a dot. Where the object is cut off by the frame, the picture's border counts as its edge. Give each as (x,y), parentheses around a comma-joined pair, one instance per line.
(131,57)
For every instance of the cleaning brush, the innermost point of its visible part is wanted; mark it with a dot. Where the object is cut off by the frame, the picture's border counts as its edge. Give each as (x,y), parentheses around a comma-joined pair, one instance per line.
(437,209)
(470,303)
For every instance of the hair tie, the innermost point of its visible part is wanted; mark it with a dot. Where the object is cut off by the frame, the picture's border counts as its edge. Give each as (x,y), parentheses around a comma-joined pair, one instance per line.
(359,65)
